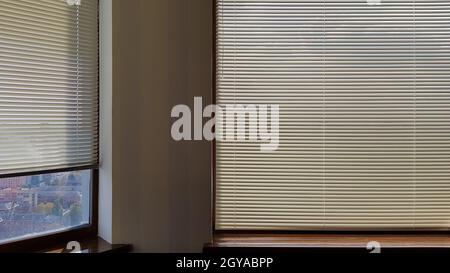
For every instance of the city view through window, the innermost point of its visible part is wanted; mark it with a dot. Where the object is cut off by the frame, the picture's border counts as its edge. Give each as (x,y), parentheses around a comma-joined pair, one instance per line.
(39,204)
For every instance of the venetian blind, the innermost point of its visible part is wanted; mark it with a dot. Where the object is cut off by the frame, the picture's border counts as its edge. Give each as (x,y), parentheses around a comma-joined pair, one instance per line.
(48,84)
(364,95)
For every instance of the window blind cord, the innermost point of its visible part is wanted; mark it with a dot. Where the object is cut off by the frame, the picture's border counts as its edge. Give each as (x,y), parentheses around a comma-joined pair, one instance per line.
(78,79)
(221,47)
(415,112)
(234,103)
(324,190)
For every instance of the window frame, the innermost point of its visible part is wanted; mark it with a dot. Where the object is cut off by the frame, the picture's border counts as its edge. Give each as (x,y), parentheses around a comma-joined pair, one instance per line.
(235,235)
(47,240)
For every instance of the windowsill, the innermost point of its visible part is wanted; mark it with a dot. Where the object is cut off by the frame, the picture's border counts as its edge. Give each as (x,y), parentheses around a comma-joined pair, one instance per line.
(94,245)
(224,242)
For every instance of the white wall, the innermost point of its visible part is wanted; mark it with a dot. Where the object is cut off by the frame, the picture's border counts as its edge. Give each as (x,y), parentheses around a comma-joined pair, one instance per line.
(161,190)
(105,172)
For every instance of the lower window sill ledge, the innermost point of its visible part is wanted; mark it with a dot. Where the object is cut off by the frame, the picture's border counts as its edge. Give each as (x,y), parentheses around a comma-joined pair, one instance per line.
(306,243)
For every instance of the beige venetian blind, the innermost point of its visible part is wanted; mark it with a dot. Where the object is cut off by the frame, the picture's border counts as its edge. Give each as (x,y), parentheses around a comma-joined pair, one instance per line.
(364,95)
(48,85)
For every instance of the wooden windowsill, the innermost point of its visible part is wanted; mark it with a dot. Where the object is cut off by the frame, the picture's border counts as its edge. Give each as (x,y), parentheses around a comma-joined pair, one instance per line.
(314,241)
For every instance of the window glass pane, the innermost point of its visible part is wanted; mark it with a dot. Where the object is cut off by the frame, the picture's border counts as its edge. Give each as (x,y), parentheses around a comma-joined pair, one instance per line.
(40,204)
